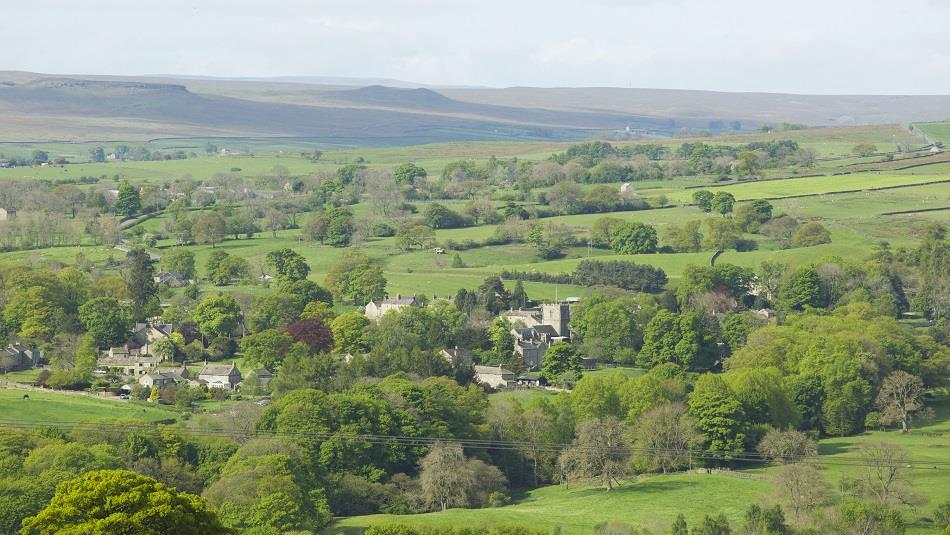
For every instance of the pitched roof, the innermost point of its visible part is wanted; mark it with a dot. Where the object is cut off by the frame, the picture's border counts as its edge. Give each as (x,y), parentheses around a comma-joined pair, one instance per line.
(399,300)
(457,352)
(545,329)
(492,370)
(218,369)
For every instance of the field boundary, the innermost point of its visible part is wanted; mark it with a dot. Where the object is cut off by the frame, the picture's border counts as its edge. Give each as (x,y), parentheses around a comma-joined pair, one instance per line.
(919,211)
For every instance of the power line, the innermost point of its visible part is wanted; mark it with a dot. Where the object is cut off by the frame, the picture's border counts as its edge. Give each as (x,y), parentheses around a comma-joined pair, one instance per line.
(482,444)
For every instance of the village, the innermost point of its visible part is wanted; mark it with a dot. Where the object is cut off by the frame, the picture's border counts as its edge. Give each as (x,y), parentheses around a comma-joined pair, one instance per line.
(142,366)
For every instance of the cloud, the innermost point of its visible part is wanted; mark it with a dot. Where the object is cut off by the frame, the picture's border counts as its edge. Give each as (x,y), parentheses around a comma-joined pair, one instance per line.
(361,26)
(579,51)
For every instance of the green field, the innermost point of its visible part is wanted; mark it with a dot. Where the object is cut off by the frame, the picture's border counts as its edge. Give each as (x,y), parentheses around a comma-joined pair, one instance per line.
(653,502)
(935,131)
(768,189)
(649,502)
(54,407)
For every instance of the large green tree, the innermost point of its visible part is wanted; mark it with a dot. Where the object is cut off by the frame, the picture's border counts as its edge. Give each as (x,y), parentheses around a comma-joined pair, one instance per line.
(217,315)
(127,202)
(288,264)
(180,261)
(681,339)
(118,501)
(634,238)
(339,230)
(140,281)
(266,348)
(106,320)
(407,173)
(559,362)
(354,279)
(722,202)
(719,416)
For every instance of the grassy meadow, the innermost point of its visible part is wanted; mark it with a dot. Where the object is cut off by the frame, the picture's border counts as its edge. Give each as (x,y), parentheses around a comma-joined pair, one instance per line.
(649,502)
(57,407)
(653,501)
(854,218)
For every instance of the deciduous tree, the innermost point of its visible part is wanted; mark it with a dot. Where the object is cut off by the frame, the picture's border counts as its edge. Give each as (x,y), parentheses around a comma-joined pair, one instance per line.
(119,501)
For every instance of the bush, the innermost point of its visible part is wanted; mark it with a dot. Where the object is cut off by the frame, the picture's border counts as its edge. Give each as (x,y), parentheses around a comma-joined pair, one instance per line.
(744,245)
(620,273)
(810,234)
(382,230)
(498,499)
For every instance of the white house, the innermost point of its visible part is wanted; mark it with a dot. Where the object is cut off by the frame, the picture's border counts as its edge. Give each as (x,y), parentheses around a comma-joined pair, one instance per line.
(220,376)
(377,309)
(494,376)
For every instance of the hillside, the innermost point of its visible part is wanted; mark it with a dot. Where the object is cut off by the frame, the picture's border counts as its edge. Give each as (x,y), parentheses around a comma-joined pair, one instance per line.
(69,108)
(77,108)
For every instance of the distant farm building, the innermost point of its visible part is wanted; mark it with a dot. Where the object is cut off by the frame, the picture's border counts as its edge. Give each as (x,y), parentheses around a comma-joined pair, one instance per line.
(494,376)
(375,310)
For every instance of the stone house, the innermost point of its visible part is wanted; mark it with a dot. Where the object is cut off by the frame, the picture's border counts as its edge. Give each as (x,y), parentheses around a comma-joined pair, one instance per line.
(263,375)
(457,356)
(147,333)
(541,327)
(375,310)
(220,376)
(494,376)
(172,279)
(131,360)
(17,356)
(163,377)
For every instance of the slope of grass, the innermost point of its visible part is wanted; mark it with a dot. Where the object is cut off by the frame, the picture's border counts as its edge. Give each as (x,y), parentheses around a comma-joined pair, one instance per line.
(814,185)
(50,407)
(935,131)
(649,502)
(653,502)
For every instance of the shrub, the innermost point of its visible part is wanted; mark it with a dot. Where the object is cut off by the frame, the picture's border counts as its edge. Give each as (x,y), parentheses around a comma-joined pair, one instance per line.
(810,234)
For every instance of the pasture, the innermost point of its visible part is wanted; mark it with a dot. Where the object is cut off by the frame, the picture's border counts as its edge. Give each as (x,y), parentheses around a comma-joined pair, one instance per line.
(653,501)
(648,502)
(58,407)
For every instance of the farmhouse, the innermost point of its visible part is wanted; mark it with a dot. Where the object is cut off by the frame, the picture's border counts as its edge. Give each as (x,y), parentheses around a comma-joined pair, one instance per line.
(147,333)
(7,215)
(263,375)
(17,357)
(557,315)
(532,342)
(131,360)
(528,381)
(375,310)
(166,377)
(171,279)
(457,356)
(220,376)
(494,376)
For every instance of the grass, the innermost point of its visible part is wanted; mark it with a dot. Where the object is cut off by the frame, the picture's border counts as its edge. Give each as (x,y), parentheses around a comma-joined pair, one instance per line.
(631,373)
(52,407)
(813,185)
(521,396)
(926,443)
(935,131)
(649,502)
(652,502)
(21,376)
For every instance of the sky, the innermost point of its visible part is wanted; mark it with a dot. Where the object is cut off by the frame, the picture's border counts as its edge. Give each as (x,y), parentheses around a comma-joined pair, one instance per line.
(805,46)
